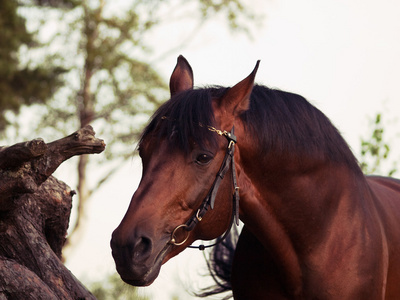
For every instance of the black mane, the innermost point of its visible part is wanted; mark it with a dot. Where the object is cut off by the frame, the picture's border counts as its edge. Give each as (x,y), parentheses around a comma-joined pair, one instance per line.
(281,121)
(287,123)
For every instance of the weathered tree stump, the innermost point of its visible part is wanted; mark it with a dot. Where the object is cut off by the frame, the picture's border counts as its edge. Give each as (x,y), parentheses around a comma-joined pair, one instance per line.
(34,216)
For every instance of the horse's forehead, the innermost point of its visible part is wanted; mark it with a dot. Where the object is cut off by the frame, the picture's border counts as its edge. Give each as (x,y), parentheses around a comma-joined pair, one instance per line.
(153,147)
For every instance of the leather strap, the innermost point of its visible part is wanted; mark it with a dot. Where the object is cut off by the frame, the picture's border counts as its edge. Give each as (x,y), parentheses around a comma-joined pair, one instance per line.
(209,200)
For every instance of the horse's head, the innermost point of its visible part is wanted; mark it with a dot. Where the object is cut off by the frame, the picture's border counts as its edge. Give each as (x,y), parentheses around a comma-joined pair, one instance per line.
(187,143)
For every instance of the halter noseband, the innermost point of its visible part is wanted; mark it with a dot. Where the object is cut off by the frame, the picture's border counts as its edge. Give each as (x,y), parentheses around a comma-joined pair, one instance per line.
(209,200)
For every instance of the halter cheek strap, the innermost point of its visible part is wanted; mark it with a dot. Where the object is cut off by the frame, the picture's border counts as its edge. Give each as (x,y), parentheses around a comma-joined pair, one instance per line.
(209,200)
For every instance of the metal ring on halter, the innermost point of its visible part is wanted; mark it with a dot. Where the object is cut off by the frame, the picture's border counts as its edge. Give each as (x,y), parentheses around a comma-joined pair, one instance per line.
(173,240)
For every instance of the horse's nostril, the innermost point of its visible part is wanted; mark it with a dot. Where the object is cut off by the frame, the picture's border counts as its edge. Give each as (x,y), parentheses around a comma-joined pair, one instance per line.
(142,248)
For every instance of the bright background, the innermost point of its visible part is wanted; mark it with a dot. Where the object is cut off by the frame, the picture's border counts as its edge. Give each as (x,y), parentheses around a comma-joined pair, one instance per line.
(342,55)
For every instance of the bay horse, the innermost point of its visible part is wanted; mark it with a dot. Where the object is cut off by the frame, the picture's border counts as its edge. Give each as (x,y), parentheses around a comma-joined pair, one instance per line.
(314,226)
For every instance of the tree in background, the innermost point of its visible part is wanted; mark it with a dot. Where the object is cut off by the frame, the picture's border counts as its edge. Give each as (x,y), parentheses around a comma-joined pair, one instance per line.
(101,50)
(22,82)
(375,150)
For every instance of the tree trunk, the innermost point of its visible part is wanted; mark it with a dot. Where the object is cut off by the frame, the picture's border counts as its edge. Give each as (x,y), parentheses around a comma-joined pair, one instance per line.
(86,113)
(34,217)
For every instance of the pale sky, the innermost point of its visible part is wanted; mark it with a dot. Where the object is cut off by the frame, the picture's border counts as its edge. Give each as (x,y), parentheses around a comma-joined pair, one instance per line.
(343,56)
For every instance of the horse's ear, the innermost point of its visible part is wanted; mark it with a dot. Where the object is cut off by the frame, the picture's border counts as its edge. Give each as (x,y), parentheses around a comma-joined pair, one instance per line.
(182,77)
(237,98)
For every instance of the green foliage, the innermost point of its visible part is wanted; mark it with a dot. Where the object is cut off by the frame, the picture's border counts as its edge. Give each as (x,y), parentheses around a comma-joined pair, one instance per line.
(113,288)
(375,150)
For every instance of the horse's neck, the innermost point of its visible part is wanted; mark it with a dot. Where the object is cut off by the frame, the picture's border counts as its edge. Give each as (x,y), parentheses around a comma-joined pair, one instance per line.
(302,195)
(285,210)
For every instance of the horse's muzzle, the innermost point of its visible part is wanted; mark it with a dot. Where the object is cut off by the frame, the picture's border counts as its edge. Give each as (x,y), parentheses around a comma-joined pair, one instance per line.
(136,259)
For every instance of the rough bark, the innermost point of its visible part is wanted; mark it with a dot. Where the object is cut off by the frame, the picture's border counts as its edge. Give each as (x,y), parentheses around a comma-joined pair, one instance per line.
(34,217)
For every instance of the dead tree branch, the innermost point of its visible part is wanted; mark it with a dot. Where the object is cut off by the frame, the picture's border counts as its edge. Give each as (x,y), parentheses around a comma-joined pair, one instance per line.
(34,216)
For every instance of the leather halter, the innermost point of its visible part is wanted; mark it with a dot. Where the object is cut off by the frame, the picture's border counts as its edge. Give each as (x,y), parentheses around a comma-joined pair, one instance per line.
(209,200)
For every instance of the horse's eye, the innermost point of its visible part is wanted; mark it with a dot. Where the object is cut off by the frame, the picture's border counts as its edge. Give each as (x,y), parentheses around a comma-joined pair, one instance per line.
(203,159)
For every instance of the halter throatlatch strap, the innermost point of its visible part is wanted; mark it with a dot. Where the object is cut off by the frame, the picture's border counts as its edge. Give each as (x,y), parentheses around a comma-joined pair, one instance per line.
(209,200)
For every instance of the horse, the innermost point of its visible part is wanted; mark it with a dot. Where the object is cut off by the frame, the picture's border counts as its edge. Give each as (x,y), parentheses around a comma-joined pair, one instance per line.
(315,227)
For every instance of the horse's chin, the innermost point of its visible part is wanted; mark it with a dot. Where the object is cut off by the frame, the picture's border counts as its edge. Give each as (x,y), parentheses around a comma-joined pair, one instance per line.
(147,280)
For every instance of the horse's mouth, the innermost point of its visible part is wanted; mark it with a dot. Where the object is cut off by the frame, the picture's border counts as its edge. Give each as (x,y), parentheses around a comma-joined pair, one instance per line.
(142,274)
(141,282)
(144,280)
